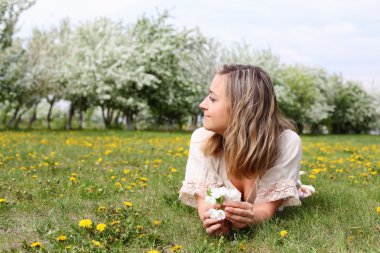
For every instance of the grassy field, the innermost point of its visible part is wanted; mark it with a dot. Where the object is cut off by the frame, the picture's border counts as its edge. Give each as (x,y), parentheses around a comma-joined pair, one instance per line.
(116,191)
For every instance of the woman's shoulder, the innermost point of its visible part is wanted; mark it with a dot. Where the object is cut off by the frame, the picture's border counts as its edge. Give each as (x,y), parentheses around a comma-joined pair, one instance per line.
(201,134)
(289,137)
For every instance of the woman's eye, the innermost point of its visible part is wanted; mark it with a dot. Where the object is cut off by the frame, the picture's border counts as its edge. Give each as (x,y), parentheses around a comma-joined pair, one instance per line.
(211,99)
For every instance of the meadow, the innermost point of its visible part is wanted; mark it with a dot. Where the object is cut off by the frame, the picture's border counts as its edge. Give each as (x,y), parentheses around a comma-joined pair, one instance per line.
(117,191)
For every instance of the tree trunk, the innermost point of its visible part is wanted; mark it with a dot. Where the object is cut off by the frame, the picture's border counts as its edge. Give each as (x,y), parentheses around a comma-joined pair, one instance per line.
(10,122)
(69,125)
(17,123)
(194,120)
(116,120)
(49,119)
(107,115)
(128,120)
(33,118)
(80,118)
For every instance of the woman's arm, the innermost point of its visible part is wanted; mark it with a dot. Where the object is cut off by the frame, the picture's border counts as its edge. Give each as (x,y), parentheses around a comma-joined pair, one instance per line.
(243,214)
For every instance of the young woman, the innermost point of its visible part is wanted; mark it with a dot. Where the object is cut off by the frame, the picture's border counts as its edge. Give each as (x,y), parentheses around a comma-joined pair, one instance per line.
(245,144)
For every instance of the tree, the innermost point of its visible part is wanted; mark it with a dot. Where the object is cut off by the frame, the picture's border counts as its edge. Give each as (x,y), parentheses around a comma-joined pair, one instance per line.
(10,11)
(168,57)
(355,110)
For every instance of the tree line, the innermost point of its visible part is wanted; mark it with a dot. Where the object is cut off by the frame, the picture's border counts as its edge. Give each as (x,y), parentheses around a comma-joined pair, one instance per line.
(149,74)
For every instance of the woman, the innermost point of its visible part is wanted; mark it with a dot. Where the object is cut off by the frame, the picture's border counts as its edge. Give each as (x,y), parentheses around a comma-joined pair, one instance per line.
(246,144)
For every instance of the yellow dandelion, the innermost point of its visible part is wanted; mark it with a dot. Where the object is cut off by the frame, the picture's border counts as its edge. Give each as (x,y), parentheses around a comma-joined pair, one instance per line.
(102,209)
(85,223)
(156,222)
(96,243)
(107,152)
(34,176)
(68,247)
(364,174)
(118,185)
(73,179)
(153,251)
(127,171)
(378,209)
(283,233)
(61,238)
(115,222)
(173,170)
(139,227)
(128,204)
(74,175)
(175,248)
(312,176)
(36,245)
(3,200)
(101,227)
(144,179)
(113,177)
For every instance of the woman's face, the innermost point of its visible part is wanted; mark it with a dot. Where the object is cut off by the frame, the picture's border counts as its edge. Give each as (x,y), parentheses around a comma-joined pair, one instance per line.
(214,106)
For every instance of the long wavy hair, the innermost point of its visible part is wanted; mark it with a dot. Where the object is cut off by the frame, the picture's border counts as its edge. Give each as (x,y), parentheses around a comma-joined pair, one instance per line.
(250,142)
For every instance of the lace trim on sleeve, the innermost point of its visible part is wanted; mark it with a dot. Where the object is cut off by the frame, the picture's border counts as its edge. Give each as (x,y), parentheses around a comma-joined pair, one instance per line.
(285,190)
(189,189)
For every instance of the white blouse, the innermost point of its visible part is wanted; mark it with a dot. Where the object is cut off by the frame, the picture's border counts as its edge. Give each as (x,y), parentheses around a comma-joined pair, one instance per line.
(278,182)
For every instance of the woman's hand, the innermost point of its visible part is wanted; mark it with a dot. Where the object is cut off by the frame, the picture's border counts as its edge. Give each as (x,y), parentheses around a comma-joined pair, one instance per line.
(240,214)
(243,214)
(212,226)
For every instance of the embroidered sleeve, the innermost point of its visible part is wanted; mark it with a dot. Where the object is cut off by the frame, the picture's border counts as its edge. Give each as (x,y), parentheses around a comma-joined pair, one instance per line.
(285,190)
(279,182)
(200,174)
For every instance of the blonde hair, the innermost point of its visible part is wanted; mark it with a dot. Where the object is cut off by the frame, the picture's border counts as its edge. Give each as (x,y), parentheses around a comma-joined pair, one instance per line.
(250,142)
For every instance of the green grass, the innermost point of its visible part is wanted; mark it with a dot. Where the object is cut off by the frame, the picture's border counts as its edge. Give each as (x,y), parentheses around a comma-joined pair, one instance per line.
(43,199)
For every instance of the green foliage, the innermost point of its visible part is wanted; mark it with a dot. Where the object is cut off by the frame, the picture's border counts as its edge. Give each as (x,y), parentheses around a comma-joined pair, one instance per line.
(354,109)
(151,75)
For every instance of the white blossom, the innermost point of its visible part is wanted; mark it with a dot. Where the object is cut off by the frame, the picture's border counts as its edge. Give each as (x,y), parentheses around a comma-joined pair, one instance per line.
(217,214)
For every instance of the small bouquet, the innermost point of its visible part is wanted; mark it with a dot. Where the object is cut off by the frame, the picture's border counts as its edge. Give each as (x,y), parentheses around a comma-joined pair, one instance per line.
(216,195)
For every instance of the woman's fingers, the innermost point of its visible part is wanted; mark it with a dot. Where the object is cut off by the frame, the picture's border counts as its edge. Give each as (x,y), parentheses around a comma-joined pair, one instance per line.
(212,229)
(239,212)
(210,222)
(237,204)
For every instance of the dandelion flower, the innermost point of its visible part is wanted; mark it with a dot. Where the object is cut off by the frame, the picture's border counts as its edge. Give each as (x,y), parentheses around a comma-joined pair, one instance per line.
(101,227)
(128,204)
(102,209)
(61,238)
(115,222)
(283,233)
(85,223)
(378,209)
(96,243)
(175,248)
(156,222)
(36,245)
(153,251)
(173,170)
(3,200)
(312,176)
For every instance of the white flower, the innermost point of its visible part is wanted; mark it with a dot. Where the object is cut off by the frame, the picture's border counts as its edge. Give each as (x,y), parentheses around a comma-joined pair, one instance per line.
(217,214)
(218,192)
(210,200)
(233,194)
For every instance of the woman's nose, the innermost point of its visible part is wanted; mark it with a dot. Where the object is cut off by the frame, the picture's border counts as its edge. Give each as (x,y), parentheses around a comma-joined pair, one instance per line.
(203,104)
